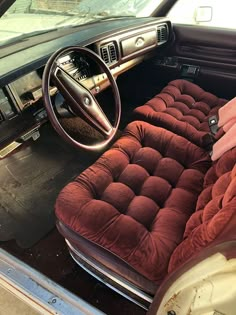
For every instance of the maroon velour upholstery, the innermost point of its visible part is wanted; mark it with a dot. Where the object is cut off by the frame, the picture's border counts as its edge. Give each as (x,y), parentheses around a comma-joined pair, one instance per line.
(215,216)
(182,107)
(135,200)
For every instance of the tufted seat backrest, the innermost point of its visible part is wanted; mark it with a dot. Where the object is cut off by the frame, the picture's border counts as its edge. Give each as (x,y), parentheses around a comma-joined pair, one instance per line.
(215,215)
(182,107)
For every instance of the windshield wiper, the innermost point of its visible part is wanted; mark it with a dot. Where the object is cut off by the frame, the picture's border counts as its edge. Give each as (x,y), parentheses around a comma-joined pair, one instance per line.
(100,17)
(90,18)
(114,16)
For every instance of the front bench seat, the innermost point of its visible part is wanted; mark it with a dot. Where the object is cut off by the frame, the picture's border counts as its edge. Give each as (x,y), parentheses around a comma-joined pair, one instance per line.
(128,211)
(184,108)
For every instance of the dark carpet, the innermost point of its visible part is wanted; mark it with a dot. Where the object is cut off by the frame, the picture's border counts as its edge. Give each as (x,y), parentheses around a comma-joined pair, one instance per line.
(30,182)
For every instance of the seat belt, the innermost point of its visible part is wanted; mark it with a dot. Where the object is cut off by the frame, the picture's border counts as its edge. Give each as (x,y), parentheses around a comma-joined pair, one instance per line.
(213,124)
(209,139)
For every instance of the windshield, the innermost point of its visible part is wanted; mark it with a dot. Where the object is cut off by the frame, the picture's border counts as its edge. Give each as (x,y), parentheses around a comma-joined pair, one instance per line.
(26,18)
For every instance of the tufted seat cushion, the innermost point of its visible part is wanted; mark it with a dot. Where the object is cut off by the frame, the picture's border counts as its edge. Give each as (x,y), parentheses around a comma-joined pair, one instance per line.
(137,197)
(215,216)
(182,107)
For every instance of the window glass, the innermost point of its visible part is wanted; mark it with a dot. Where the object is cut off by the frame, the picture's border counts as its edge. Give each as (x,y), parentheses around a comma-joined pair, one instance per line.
(212,13)
(26,18)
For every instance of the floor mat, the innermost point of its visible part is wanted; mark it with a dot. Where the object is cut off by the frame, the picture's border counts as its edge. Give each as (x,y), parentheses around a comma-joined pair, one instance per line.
(30,182)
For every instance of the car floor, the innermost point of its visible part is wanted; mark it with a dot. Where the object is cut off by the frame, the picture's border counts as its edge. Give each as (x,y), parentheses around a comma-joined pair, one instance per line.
(30,182)
(50,256)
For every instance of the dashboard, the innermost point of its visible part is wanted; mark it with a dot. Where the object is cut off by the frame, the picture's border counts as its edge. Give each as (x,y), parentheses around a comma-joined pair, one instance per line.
(121,45)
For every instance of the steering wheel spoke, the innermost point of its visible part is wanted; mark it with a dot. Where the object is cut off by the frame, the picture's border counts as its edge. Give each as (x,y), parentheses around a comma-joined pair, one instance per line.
(80,99)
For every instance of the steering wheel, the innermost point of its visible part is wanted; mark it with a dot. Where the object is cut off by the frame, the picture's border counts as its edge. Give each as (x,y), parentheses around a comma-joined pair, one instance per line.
(80,99)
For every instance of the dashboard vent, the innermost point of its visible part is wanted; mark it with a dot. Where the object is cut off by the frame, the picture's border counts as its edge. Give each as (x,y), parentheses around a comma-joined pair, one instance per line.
(109,53)
(104,54)
(112,52)
(162,34)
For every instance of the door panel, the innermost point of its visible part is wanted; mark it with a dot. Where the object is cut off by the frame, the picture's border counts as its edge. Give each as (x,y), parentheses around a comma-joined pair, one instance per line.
(213,50)
(205,43)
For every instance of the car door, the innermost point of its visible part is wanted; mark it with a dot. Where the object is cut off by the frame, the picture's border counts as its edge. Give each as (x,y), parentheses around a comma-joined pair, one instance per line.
(208,55)
(203,45)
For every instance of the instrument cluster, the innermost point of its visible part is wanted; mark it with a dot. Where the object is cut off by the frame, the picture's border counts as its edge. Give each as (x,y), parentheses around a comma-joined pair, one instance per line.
(75,65)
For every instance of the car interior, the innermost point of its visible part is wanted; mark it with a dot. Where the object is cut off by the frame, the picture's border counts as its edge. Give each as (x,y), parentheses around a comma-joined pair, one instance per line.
(117,155)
